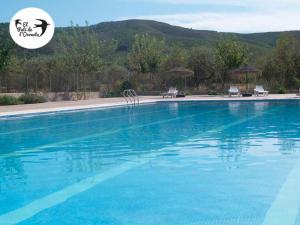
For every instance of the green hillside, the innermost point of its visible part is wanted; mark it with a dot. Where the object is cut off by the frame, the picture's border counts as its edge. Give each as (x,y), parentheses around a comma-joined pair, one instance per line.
(123,32)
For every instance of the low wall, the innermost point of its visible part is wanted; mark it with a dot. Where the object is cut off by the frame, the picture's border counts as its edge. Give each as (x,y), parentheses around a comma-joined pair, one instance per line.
(12,94)
(57,96)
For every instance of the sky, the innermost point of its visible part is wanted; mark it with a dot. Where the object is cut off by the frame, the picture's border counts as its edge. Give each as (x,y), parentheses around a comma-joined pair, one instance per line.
(243,16)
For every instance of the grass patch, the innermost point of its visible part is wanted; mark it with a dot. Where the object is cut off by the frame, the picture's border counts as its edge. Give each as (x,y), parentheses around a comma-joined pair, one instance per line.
(32,99)
(23,99)
(9,100)
(281,90)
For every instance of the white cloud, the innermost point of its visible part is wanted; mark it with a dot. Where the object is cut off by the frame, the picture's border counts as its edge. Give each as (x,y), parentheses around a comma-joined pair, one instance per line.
(269,3)
(233,22)
(261,16)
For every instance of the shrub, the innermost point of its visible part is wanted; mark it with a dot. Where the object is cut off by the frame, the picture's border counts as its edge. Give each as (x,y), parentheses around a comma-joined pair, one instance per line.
(112,94)
(9,100)
(32,98)
(126,85)
(281,90)
(212,92)
(187,93)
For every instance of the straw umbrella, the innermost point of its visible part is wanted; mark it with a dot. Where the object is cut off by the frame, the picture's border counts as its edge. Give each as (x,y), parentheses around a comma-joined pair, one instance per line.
(181,72)
(246,70)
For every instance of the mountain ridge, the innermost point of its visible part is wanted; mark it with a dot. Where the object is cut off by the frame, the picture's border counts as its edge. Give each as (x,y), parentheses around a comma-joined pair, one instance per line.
(124,31)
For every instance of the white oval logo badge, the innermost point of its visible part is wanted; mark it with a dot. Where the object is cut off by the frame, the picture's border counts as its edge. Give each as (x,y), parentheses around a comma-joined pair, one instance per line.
(31,28)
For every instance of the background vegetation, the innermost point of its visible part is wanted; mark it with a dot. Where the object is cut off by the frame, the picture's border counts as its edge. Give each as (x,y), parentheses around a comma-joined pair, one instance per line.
(110,57)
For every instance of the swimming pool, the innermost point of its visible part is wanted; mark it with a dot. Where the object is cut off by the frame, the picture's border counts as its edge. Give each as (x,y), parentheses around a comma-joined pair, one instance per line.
(206,163)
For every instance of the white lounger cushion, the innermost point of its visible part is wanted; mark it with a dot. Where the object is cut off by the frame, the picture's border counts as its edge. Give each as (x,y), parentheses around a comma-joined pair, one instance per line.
(233,89)
(260,90)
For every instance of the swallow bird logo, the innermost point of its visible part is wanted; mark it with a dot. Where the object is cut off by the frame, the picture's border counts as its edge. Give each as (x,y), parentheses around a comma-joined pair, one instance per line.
(18,22)
(43,25)
(31,28)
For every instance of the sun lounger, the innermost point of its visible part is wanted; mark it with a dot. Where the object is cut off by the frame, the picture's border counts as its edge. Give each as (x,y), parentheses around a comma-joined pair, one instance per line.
(233,90)
(171,93)
(259,90)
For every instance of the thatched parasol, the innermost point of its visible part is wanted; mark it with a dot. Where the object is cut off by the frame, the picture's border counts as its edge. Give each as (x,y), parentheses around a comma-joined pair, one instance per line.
(246,70)
(181,72)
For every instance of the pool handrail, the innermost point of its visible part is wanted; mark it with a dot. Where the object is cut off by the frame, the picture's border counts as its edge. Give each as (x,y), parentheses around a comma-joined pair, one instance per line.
(131,96)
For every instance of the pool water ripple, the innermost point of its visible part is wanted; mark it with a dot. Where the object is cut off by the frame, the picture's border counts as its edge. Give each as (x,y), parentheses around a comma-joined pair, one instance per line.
(227,160)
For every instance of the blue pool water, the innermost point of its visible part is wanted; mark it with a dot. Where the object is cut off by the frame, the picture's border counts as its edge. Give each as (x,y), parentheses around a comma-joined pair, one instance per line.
(177,163)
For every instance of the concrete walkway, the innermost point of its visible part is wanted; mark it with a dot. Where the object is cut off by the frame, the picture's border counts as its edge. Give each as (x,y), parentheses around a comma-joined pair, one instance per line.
(106,102)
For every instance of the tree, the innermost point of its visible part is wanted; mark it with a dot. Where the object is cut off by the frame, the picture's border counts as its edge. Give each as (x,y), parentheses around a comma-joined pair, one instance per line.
(176,57)
(281,67)
(61,75)
(5,57)
(202,62)
(147,54)
(113,77)
(230,54)
(37,73)
(83,54)
(287,60)
(267,66)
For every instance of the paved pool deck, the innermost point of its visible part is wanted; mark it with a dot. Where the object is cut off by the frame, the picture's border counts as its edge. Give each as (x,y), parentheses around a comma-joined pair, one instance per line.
(110,102)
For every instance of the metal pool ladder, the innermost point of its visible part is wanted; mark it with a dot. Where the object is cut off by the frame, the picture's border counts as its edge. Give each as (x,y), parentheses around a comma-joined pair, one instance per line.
(131,97)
